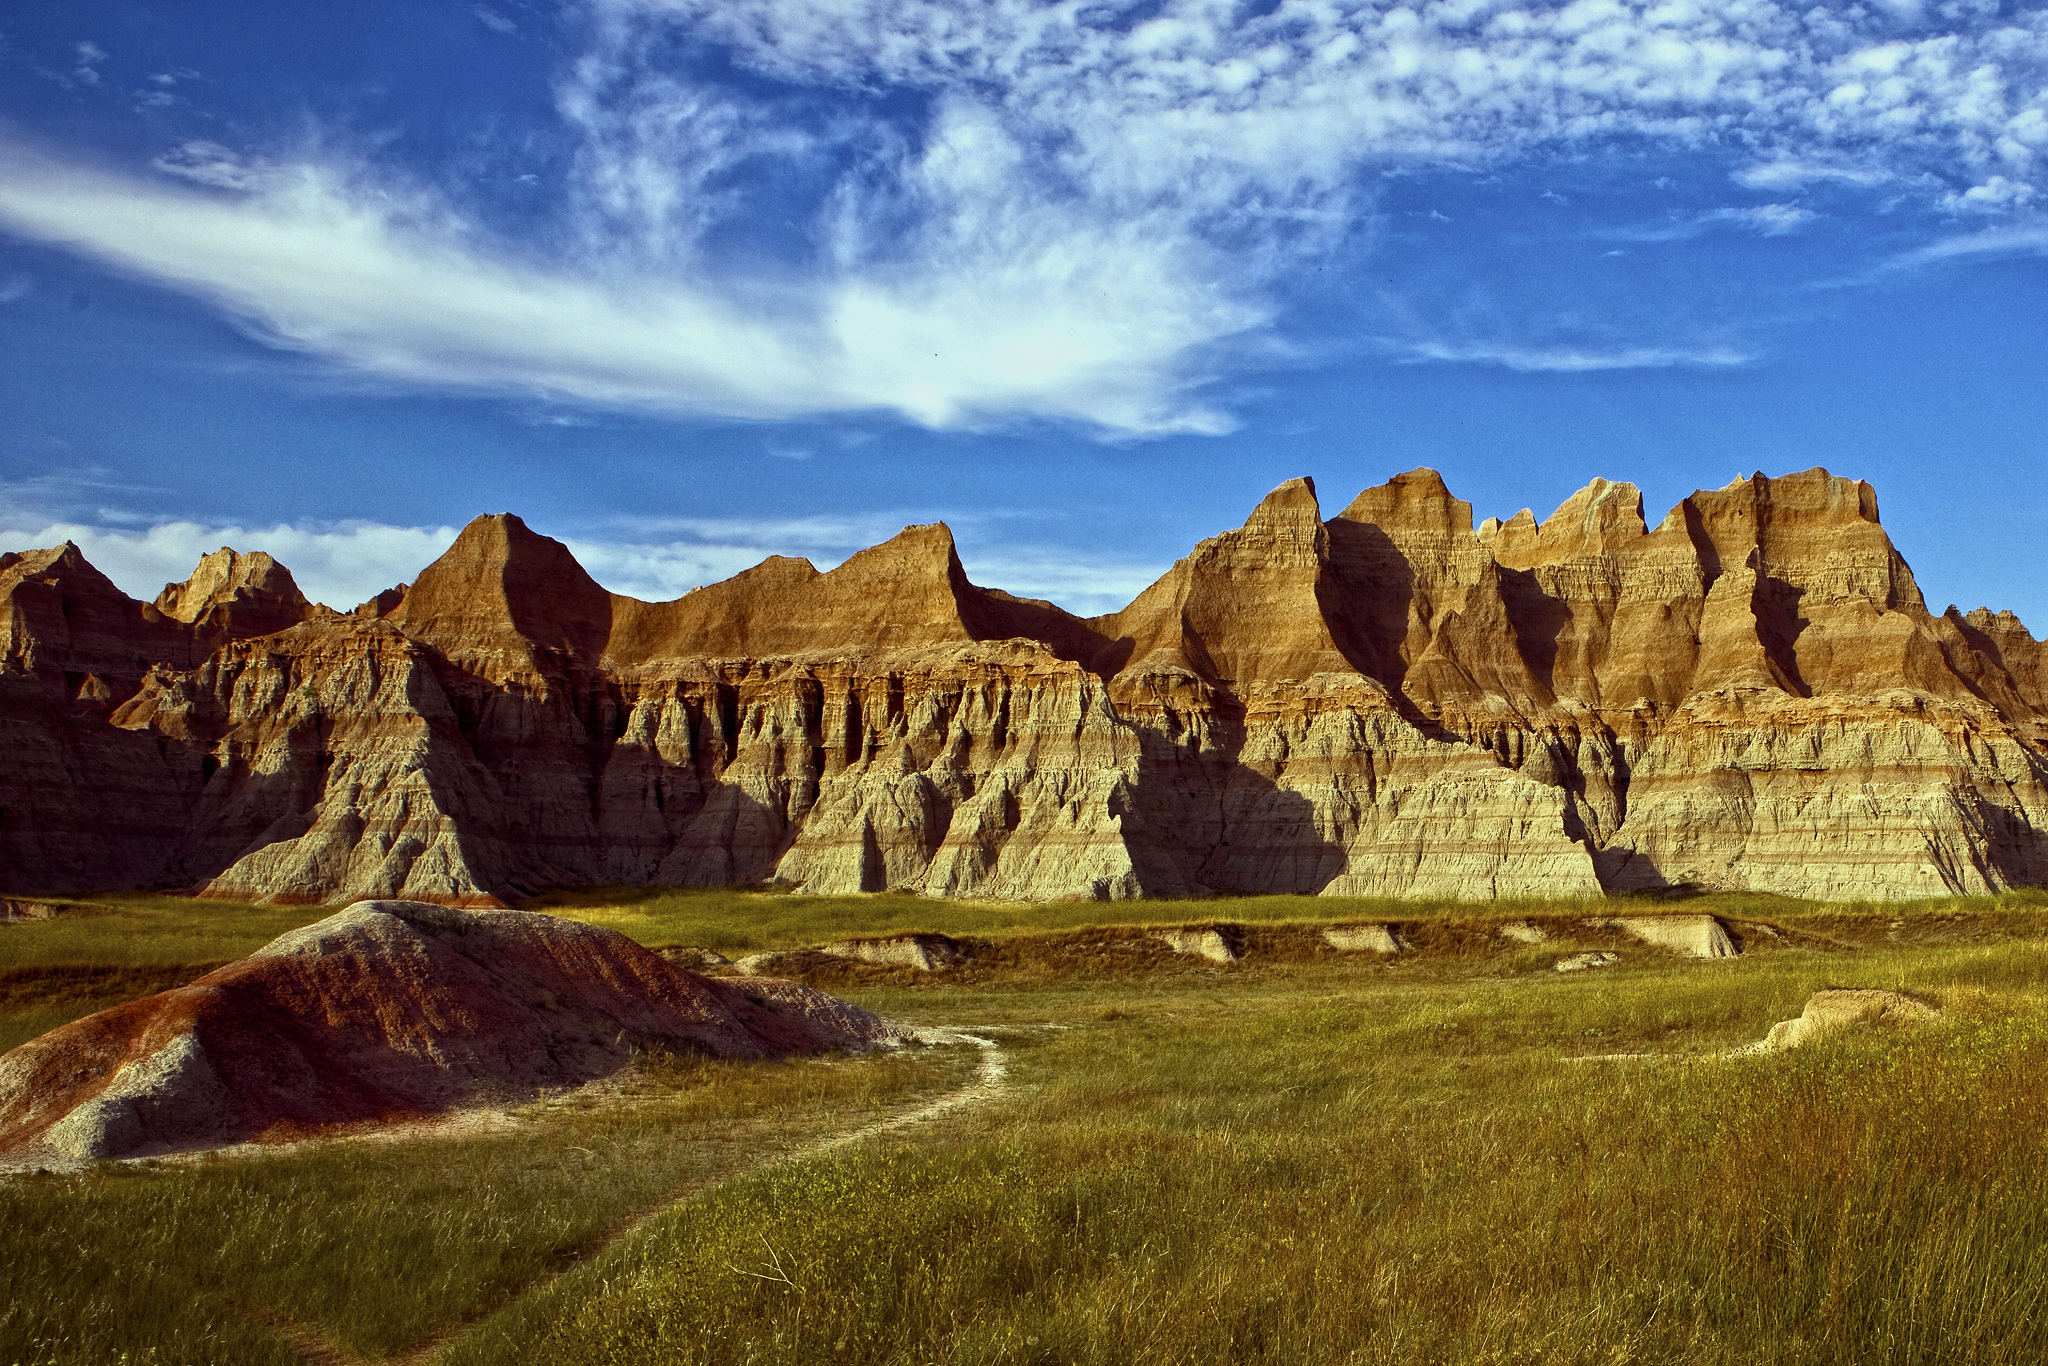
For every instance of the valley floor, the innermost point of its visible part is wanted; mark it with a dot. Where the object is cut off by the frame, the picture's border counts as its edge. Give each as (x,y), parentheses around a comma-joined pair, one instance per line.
(1453,1155)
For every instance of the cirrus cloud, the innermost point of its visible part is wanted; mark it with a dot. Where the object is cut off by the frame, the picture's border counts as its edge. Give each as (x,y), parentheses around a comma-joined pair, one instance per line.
(1024,210)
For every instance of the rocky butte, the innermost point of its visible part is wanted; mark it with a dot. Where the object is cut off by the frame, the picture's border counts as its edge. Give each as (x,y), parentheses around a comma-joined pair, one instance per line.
(1749,695)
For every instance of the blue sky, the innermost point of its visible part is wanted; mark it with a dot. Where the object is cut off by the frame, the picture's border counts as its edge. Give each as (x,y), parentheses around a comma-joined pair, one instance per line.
(685,283)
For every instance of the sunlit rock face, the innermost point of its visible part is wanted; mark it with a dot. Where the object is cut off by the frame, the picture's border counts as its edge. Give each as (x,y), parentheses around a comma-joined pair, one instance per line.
(1749,695)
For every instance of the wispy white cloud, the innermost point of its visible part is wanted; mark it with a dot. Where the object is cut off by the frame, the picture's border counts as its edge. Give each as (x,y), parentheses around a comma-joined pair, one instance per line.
(823,539)
(1091,205)
(399,286)
(1788,174)
(1996,195)
(86,72)
(1280,98)
(492,20)
(1572,359)
(209,163)
(13,287)
(1765,220)
(2020,239)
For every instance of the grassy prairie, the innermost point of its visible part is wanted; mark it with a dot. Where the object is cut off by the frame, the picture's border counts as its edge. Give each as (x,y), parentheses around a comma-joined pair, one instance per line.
(155,930)
(1449,1157)
(741,921)
(371,1245)
(1404,1173)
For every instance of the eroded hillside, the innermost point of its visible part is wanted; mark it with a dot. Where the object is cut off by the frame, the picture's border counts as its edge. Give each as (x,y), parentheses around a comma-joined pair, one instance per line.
(1752,695)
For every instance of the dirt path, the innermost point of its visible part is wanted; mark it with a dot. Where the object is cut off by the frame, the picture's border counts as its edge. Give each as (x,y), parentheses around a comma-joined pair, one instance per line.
(988,1082)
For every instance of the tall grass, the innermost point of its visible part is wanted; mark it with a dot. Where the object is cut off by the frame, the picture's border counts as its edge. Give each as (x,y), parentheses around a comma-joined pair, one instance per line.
(1454,1159)
(1365,1178)
(150,930)
(377,1245)
(115,949)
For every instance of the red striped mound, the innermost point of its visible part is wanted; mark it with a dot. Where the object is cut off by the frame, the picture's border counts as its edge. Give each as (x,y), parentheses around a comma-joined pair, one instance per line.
(388,1009)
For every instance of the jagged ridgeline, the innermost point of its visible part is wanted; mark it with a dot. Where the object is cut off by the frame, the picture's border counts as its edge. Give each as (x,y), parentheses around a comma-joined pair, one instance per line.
(1751,695)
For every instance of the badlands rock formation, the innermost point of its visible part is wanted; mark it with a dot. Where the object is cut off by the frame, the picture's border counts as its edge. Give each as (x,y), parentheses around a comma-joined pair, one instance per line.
(388,1009)
(1749,695)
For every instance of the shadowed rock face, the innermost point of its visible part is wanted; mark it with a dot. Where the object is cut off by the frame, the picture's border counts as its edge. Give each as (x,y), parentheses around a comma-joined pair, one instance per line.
(1749,694)
(388,1009)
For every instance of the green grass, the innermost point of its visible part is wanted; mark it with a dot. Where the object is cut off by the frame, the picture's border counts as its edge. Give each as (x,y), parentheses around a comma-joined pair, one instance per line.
(120,947)
(732,920)
(1399,1175)
(376,1245)
(150,929)
(1434,1159)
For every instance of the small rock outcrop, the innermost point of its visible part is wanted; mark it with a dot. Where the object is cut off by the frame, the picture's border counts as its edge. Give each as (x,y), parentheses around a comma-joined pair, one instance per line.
(1695,936)
(925,952)
(1831,1011)
(388,1009)
(15,908)
(1363,939)
(1211,944)
(1581,962)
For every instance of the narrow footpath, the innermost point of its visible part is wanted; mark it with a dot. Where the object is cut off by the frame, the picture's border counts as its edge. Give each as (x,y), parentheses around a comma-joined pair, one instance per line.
(988,1082)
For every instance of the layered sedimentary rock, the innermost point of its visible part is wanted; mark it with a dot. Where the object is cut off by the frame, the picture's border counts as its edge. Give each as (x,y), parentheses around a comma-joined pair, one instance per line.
(388,1009)
(88,804)
(1751,694)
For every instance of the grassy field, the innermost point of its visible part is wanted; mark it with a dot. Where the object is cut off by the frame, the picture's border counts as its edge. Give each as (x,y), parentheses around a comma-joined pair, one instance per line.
(1455,1156)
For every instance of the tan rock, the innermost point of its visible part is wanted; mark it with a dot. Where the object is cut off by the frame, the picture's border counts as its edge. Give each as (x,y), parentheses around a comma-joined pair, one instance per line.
(232,596)
(1244,606)
(925,952)
(1831,1011)
(1696,936)
(1363,939)
(16,908)
(1209,944)
(1750,695)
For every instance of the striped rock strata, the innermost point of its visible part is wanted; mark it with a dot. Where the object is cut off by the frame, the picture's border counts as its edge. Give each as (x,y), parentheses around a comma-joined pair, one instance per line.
(1750,695)
(388,1009)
